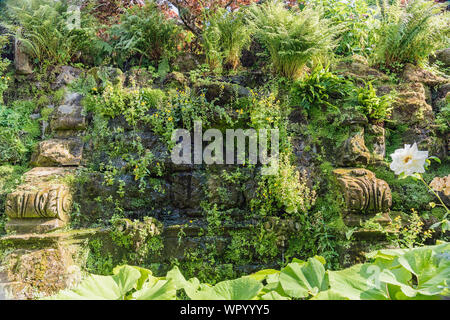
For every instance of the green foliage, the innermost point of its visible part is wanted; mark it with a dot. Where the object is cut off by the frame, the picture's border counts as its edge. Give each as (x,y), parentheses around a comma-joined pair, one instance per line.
(43,28)
(320,89)
(288,189)
(4,63)
(406,193)
(98,261)
(408,235)
(293,38)
(374,107)
(325,91)
(443,117)
(224,37)
(409,33)
(398,274)
(4,79)
(358,21)
(18,132)
(139,241)
(144,33)
(114,100)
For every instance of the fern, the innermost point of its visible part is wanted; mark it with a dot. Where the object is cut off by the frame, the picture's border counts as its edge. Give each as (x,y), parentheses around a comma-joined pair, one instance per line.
(144,33)
(224,38)
(293,38)
(410,33)
(42,28)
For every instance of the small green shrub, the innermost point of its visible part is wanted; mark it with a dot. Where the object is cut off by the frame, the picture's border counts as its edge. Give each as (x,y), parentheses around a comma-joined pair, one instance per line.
(289,188)
(293,38)
(42,26)
(374,107)
(144,33)
(224,37)
(409,33)
(18,132)
(320,89)
(114,100)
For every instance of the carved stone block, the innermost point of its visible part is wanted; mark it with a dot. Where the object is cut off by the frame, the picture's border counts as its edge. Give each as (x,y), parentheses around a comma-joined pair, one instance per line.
(49,202)
(43,195)
(363,192)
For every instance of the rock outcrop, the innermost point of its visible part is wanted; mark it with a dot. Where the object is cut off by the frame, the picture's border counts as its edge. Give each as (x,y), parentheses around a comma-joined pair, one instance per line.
(21,61)
(354,151)
(58,152)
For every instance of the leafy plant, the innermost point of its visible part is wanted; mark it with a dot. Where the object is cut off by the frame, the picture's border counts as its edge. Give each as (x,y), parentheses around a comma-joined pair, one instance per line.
(374,107)
(224,37)
(43,29)
(289,188)
(144,33)
(409,33)
(18,132)
(358,21)
(320,89)
(293,38)
(394,274)
(410,235)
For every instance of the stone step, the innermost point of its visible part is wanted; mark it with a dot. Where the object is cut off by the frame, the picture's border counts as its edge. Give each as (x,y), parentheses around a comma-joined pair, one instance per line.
(58,152)
(42,197)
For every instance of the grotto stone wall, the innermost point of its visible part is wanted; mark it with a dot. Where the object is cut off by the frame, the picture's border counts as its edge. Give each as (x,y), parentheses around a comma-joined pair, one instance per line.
(40,209)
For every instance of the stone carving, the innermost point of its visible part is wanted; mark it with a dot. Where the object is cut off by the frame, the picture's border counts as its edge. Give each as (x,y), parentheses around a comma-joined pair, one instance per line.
(42,196)
(363,192)
(50,202)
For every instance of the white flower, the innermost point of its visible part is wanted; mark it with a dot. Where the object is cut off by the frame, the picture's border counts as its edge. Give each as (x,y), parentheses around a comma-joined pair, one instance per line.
(408,160)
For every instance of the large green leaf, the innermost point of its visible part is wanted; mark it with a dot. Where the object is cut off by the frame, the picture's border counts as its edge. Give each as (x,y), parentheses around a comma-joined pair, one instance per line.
(239,289)
(190,286)
(329,294)
(263,274)
(299,280)
(359,282)
(96,287)
(431,273)
(159,290)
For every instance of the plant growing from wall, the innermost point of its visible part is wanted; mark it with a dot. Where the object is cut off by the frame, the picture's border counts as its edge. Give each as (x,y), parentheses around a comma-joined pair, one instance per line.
(293,38)
(410,33)
(18,132)
(224,37)
(144,35)
(43,29)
